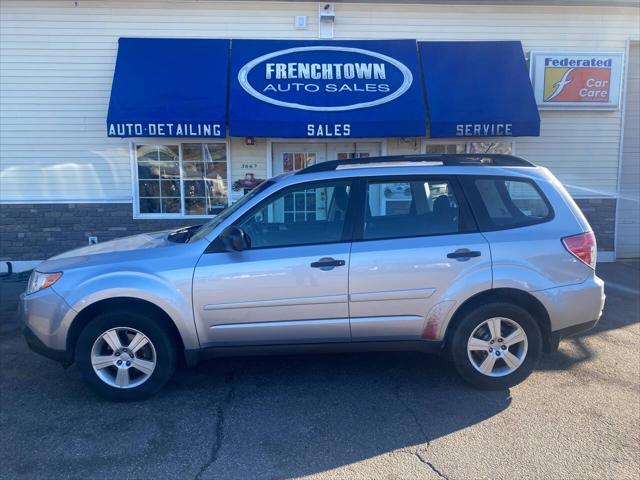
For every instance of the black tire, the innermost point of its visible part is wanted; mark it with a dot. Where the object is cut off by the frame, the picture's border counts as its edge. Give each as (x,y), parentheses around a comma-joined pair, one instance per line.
(163,344)
(463,330)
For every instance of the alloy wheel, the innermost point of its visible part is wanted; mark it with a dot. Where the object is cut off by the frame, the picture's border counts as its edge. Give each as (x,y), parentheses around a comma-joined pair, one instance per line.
(123,357)
(497,347)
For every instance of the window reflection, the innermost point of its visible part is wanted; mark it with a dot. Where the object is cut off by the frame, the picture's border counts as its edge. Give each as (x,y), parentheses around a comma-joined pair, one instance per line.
(190,179)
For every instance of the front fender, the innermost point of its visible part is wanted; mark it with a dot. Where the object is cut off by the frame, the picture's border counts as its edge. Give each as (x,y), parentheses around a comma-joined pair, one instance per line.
(173,297)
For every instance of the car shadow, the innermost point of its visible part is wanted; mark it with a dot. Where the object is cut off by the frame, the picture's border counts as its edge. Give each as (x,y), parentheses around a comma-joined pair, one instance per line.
(621,310)
(312,413)
(257,417)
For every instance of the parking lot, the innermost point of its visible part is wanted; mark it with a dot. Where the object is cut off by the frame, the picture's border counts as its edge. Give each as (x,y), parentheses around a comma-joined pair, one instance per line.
(335,416)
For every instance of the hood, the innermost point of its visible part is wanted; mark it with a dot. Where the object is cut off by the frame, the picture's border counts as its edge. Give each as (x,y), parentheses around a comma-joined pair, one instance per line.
(110,252)
(135,242)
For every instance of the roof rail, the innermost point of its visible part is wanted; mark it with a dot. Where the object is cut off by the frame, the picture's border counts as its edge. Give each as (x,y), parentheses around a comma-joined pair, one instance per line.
(447,159)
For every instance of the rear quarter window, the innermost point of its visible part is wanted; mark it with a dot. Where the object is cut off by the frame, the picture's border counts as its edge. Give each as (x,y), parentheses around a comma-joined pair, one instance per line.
(506,202)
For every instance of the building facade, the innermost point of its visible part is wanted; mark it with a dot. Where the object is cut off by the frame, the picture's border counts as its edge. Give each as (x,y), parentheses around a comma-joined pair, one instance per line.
(103,133)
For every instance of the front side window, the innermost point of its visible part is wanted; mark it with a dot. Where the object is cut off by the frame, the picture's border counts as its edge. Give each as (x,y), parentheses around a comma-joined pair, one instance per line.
(187,179)
(304,214)
(410,208)
(508,203)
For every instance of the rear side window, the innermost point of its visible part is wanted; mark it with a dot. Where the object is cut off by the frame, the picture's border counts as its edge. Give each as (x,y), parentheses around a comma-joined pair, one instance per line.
(501,203)
(412,207)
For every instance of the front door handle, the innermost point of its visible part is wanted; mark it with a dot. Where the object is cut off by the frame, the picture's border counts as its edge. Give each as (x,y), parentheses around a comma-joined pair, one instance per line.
(463,254)
(328,263)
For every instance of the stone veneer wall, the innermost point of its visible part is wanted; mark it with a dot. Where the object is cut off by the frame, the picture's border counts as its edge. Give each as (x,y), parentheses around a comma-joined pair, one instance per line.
(601,213)
(39,231)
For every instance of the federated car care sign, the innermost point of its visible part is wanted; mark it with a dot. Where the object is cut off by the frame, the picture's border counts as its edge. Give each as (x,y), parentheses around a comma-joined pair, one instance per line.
(325,89)
(577,80)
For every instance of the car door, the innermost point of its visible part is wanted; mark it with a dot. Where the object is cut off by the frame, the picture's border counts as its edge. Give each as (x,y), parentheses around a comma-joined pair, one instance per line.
(417,247)
(291,285)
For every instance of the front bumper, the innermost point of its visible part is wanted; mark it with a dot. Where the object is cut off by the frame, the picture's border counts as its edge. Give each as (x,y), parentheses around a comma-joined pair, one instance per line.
(36,345)
(41,319)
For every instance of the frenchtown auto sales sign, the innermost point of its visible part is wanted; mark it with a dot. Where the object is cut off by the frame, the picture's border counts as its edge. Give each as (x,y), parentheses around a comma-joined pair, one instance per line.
(367,73)
(572,81)
(310,89)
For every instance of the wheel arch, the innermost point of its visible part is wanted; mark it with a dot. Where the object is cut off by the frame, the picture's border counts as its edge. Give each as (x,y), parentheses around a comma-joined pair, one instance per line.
(122,303)
(509,295)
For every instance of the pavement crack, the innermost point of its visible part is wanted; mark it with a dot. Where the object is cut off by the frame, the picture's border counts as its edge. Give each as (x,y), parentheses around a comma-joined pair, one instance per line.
(221,409)
(412,412)
(431,466)
(416,420)
(426,462)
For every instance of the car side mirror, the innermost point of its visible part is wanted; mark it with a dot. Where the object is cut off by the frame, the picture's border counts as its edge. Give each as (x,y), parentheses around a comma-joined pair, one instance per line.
(234,239)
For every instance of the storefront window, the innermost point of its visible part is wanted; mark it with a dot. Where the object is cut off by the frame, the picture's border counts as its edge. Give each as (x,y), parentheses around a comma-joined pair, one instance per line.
(445,148)
(469,147)
(159,179)
(490,147)
(187,179)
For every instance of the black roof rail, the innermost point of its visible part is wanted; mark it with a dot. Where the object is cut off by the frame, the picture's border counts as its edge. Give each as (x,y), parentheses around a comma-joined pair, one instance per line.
(447,159)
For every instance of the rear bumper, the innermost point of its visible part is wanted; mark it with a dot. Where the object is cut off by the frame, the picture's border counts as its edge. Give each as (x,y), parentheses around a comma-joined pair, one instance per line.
(576,329)
(572,309)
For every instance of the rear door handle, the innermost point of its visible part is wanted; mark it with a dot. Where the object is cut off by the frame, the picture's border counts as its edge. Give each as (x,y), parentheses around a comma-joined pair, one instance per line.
(328,263)
(463,254)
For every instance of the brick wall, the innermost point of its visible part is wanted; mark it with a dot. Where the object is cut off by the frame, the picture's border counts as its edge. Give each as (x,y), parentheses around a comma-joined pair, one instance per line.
(39,231)
(601,213)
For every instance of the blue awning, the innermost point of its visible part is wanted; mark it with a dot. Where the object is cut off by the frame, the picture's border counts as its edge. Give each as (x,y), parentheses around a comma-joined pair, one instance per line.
(169,88)
(326,89)
(478,89)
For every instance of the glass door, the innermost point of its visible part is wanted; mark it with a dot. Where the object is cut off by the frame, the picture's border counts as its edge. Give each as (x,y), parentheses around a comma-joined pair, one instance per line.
(346,150)
(291,157)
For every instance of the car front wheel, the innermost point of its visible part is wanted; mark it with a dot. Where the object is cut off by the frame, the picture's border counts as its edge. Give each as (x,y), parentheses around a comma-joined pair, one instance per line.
(125,355)
(496,346)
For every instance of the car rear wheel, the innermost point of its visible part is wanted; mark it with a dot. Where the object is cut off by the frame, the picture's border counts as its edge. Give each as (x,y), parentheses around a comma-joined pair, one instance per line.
(496,346)
(125,355)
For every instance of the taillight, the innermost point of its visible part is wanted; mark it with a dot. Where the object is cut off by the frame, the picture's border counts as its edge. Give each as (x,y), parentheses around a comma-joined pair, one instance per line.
(582,246)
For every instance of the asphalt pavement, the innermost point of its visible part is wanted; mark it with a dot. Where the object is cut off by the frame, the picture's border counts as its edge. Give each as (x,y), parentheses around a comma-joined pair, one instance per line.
(356,416)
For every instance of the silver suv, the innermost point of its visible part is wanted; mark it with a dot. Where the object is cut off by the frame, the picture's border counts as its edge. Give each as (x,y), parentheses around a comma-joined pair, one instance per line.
(483,257)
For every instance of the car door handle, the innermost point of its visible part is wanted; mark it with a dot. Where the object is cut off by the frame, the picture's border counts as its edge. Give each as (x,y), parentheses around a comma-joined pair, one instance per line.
(464,254)
(328,263)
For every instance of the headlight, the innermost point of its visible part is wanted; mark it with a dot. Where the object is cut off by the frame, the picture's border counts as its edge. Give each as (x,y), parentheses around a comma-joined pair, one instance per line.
(39,280)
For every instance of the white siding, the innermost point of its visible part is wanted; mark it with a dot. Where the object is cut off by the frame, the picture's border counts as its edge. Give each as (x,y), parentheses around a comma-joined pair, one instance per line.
(628,237)
(581,148)
(58,60)
(242,154)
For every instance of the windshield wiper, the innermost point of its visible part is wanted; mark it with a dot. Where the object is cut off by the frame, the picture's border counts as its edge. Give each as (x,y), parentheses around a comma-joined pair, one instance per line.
(182,235)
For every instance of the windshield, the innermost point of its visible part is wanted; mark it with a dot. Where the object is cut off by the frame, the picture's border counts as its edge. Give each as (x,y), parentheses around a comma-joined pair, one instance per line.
(205,229)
